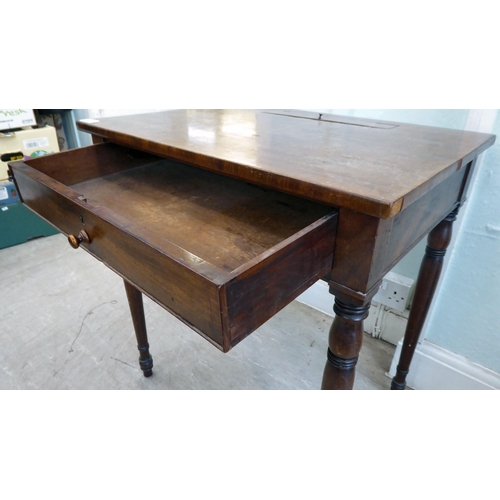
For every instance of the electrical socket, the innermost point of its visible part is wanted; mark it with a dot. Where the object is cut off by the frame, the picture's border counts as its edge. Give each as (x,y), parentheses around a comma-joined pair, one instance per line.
(394,291)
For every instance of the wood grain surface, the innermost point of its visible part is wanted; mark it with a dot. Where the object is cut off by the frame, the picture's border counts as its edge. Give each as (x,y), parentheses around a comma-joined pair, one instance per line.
(374,167)
(223,221)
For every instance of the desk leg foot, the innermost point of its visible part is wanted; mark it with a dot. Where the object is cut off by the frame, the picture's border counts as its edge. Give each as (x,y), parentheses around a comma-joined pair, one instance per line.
(437,243)
(344,345)
(134,297)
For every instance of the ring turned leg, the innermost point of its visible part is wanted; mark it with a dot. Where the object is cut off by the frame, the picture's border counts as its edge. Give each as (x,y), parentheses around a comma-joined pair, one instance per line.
(437,243)
(134,297)
(344,345)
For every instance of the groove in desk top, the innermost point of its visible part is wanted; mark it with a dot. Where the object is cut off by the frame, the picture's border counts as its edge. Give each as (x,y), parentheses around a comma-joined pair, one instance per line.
(220,220)
(326,117)
(375,170)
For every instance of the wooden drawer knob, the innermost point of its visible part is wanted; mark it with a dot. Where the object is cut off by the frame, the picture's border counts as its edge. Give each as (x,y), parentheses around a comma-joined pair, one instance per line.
(82,237)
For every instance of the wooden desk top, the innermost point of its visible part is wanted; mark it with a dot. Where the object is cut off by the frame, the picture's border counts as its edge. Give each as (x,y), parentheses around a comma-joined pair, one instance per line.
(373,167)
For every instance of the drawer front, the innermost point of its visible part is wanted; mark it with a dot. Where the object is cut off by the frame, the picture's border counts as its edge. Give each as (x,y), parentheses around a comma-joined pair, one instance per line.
(159,276)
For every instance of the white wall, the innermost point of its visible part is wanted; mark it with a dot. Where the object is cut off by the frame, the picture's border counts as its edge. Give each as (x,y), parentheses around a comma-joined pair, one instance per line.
(465,317)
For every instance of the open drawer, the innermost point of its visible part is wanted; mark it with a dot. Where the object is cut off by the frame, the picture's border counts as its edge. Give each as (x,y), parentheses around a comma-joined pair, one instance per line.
(222,255)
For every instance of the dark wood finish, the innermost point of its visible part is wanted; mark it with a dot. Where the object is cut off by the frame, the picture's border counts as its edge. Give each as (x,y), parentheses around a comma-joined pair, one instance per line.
(185,236)
(285,272)
(134,297)
(368,247)
(341,162)
(302,196)
(414,223)
(360,247)
(430,271)
(223,221)
(344,344)
(132,251)
(91,162)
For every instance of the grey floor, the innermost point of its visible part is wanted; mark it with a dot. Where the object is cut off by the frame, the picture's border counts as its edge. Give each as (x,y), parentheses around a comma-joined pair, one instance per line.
(65,324)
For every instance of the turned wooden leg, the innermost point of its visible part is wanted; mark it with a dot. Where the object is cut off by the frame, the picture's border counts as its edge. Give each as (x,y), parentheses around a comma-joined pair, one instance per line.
(134,297)
(344,345)
(437,243)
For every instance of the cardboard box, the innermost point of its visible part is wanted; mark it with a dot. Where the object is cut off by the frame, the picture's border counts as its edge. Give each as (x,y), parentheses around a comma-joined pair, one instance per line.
(25,144)
(16,118)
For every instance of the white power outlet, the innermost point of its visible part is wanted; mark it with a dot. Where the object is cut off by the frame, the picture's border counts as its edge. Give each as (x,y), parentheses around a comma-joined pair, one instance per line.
(394,291)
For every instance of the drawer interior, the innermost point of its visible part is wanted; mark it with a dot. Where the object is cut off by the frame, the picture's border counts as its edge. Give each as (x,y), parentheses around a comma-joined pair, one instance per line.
(220,220)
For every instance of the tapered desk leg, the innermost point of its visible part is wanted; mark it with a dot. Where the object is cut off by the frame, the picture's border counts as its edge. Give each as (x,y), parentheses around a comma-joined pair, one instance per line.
(344,345)
(134,297)
(437,243)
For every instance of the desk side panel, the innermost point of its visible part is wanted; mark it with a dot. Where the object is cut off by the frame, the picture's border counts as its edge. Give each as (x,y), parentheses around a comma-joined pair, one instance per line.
(189,296)
(367,248)
(414,223)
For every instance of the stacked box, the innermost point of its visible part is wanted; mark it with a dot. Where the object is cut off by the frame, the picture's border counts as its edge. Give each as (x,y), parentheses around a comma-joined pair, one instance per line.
(16,118)
(17,223)
(24,144)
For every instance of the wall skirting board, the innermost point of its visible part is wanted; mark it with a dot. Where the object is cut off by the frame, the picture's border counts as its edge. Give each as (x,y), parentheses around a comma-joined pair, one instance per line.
(435,368)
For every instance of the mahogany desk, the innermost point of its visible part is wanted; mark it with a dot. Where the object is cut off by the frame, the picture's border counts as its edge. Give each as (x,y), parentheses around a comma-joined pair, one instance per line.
(224,217)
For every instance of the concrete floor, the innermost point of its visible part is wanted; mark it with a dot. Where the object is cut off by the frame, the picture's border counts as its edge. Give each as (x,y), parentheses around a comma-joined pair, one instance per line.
(65,324)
